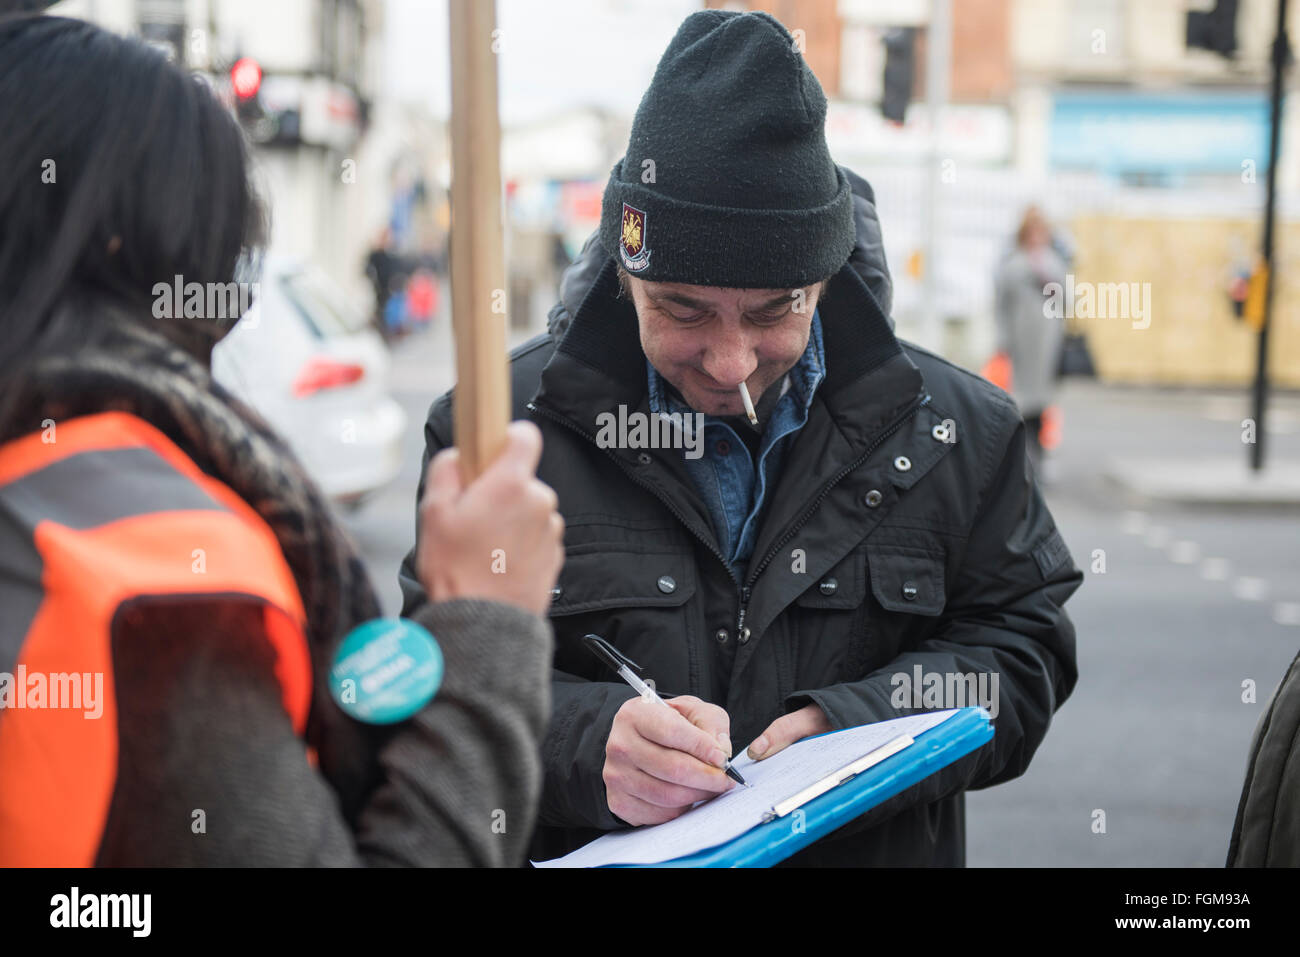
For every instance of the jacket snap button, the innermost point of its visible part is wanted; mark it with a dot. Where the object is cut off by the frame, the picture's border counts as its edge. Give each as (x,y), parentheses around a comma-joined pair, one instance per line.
(721,636)
(828,586)
(644,458)
(909,591)
(743,636)
(556,592)
(667,585)
(902,463)
(940,432)
(874,498)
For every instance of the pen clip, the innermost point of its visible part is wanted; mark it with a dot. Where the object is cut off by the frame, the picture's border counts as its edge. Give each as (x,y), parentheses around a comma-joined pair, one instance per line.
(610,655)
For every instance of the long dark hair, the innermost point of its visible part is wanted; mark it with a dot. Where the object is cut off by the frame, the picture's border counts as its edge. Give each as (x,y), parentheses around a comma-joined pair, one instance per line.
(117,171)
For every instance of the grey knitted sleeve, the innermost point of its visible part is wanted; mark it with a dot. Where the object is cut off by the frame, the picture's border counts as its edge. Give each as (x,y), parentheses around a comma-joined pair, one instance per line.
(210,771)
(464,781)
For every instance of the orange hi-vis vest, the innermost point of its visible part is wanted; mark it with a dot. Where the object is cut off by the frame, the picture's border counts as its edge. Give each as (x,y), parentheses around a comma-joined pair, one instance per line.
(101,511)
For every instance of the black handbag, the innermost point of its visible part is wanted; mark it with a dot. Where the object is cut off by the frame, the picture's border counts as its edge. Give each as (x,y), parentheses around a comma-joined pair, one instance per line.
(1075,358)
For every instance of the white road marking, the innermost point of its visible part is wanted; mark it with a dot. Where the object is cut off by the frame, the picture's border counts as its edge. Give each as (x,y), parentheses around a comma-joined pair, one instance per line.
(1250,589)
(1287,613)
(1157,536)
(1134,523)
(1215,569)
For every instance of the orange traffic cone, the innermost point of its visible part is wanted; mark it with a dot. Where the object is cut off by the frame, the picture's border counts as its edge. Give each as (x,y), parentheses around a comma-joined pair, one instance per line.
(1049,433)
(998,371)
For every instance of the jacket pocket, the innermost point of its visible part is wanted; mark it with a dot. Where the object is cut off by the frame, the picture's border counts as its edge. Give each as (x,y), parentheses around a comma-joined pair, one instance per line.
(908,579)
(843,588)
(593,581)
(640,602)
(908,594)
(831,626)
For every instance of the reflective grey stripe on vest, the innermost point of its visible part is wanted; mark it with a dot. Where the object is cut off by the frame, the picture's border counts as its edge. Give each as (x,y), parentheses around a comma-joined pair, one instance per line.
(80,492)
(20,587)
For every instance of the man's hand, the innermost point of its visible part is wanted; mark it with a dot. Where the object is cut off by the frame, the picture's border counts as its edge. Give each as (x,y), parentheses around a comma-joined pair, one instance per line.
(499,538)
(785,731)
(659,761)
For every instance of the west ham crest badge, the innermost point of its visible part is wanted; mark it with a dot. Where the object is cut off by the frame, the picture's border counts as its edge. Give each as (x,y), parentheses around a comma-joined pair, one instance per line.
(632,246)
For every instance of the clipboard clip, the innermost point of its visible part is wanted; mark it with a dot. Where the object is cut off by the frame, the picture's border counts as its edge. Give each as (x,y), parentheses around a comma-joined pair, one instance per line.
(836,778)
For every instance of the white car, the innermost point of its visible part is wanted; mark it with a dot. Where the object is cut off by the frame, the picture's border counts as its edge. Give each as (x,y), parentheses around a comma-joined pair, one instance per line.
(315,368)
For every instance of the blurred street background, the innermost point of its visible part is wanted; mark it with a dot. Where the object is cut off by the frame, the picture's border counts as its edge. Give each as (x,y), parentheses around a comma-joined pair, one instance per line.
(1140,128)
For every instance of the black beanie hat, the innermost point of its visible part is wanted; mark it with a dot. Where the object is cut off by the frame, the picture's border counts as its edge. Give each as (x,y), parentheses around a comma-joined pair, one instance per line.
(727,180)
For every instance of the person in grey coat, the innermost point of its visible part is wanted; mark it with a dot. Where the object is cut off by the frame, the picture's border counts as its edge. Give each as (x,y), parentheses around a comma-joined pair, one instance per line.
(1027,332)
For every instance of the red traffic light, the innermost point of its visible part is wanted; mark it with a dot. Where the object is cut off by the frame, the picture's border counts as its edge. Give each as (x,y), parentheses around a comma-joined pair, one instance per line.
(246,78)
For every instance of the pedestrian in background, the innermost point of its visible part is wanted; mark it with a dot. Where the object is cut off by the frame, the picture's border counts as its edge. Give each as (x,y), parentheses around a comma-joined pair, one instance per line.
(383,268)
(1029,338)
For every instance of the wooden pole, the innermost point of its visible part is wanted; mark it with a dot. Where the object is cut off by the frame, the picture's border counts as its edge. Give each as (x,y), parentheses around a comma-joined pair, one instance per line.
(482,400)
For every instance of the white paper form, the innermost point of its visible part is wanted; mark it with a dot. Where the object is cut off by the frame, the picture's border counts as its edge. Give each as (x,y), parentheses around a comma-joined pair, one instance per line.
(730,815)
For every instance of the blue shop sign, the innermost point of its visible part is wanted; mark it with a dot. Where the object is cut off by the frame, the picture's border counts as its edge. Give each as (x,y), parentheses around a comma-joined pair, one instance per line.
(1168,133)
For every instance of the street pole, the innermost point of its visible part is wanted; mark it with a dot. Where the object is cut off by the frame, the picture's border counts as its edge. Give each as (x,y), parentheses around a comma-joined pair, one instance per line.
(1275,137)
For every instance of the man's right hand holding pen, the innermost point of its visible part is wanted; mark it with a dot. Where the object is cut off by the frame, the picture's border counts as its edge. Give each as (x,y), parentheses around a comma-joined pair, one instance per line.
(660,761)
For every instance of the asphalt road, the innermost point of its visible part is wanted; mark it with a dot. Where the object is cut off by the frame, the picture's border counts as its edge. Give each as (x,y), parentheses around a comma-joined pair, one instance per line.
(1192,602)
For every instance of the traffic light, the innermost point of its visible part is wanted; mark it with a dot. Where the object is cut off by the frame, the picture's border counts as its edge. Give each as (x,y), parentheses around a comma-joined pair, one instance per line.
(1214,30)
(246,85)
(900,68)
(245,78)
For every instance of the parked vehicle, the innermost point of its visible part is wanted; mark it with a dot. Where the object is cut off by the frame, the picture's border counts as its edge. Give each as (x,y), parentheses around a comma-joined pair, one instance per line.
(315,368)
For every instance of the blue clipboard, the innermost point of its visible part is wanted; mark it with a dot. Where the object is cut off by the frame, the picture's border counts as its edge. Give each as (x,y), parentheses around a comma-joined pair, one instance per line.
(769,843)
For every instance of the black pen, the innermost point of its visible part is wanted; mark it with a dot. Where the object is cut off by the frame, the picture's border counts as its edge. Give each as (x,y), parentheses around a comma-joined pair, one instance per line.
(627,669)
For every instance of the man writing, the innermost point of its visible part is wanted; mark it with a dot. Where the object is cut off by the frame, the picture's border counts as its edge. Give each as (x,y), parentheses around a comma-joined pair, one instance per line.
(879,518)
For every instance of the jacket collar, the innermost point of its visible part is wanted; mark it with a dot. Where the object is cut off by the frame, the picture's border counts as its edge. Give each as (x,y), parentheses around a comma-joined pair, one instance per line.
(599,364)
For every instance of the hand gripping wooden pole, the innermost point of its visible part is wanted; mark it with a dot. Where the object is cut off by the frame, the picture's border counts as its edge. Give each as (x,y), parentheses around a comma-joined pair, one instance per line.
(482,401)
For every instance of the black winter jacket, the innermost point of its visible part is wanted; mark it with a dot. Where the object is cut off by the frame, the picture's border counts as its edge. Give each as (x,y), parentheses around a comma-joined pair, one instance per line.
(925,542)
(1266,832)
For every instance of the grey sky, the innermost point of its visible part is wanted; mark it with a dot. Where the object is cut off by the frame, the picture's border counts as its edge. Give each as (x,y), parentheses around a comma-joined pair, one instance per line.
(555,54)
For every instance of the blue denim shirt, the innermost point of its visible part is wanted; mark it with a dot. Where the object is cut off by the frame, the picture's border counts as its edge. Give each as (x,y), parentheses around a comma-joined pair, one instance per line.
(725,475)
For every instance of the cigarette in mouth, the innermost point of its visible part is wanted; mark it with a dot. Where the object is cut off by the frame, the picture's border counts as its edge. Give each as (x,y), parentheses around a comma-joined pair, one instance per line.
(749,406)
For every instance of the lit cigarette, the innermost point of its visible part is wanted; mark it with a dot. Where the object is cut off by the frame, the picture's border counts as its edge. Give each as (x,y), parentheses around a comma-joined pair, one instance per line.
(749,406)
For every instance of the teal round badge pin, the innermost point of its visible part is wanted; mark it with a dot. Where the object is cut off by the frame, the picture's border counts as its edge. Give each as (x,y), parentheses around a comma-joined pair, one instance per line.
(386,670)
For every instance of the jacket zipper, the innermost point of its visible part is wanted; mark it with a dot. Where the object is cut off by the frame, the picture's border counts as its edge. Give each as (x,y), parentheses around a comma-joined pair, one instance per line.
(745,589)
(740,615)
(821,496)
